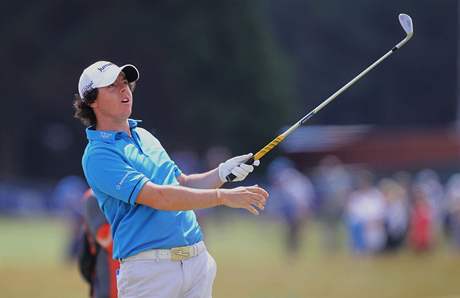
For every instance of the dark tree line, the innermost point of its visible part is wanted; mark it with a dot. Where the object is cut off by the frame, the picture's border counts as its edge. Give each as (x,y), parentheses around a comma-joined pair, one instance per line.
(219,72)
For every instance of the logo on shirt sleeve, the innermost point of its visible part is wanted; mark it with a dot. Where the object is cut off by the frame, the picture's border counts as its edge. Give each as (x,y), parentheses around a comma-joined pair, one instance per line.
(119,184)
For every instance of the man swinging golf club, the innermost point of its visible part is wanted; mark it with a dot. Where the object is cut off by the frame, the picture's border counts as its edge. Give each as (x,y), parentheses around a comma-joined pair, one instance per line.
(145,197)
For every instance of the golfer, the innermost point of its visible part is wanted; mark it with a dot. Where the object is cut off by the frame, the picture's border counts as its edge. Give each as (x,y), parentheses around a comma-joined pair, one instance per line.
(145,197)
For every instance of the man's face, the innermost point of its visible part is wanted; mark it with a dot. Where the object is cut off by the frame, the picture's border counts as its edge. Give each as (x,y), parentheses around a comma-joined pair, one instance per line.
(114,101)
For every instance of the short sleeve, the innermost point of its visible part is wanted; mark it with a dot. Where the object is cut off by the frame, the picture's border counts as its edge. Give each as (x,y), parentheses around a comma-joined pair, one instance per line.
(177,171)
(109,173)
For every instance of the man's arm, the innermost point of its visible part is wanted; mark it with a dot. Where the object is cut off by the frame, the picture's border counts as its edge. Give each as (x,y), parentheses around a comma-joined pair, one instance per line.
(209,179)
(112,175)
(215,178)
(171,197)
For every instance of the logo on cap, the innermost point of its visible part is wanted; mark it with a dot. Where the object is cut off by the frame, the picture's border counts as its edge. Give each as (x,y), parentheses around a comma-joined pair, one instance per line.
(101,69)
(88,87)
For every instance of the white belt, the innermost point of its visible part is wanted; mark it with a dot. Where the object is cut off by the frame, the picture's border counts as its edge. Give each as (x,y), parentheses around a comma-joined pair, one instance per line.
(173,254)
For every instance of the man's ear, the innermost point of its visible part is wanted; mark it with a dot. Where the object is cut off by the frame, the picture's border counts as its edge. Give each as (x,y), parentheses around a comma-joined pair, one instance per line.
(93,104)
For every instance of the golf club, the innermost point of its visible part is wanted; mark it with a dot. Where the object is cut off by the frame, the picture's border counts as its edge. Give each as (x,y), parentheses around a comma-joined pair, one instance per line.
(405,21)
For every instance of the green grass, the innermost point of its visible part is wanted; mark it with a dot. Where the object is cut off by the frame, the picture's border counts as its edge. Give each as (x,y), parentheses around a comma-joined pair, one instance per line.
(251,263)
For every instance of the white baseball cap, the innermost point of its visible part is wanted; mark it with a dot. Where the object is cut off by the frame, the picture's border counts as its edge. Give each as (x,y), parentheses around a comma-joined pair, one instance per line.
(104,73)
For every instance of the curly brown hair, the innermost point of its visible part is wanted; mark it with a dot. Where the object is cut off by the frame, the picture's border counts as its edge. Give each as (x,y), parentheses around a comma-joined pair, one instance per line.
(83,111)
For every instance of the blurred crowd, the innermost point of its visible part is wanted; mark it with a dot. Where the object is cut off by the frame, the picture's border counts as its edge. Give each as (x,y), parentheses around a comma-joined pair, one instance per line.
(380,214)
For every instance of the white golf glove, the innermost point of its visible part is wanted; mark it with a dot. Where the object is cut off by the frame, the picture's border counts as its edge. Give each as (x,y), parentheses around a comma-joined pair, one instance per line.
(237,167)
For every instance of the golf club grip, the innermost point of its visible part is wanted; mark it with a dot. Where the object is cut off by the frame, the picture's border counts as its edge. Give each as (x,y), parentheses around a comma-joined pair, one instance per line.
(230,177)
(269,146)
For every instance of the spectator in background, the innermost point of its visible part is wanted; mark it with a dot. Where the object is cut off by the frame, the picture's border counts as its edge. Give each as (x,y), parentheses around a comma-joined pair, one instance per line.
(67,196)
(396,213)
(293,193)
(365,216)
(404,179)
(96,263)
(453,209)
(429,183)
(333,184)
(420,233)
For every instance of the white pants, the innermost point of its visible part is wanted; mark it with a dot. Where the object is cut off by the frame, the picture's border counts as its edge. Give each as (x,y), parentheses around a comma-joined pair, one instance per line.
(160,278)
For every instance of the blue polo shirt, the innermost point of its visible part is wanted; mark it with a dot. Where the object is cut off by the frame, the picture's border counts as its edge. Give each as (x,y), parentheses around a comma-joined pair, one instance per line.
(116,167)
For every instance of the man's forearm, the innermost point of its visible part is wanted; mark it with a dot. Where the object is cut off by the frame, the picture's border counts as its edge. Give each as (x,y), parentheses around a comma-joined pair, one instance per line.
(170,197)
(204,180)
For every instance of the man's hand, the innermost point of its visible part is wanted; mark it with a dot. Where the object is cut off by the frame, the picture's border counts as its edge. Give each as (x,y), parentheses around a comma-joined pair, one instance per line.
(237,167)
(248,198)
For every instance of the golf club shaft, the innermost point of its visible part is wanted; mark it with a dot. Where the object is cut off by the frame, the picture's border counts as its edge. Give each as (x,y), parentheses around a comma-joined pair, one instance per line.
(282,136)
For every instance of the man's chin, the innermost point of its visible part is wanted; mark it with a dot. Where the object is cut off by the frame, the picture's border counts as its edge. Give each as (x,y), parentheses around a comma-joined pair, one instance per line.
(128,114)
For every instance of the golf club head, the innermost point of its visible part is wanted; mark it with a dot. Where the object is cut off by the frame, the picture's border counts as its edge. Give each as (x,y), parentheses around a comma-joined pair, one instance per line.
(406,22)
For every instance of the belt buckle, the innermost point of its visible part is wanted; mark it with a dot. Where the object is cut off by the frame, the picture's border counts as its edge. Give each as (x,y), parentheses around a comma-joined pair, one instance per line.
(180,253)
